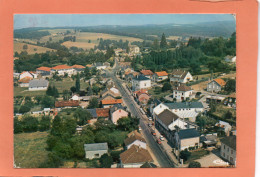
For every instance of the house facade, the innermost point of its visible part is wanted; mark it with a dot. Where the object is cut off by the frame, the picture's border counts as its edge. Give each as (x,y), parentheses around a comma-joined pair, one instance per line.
(215,85)
(111,103)
(140,82)
(228,149)
(160,76)
(27,74)
(95,150)
(117,112)
(182,92)
(135,138)
(180,76)
(62,70)
(147,73)
(43,71)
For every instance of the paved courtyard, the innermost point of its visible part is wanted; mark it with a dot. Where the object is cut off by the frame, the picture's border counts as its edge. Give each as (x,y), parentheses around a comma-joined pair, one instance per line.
(212,160)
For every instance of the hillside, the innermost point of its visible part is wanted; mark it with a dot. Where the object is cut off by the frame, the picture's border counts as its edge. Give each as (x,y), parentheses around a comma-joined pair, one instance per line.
(32,49)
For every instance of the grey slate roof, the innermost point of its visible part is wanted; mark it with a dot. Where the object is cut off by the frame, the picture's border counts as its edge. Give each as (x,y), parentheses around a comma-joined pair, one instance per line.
(141,78)
(92,112)
(182,105)
(188,133)
(38,83)
(229,141)
(167,117)
(95,147)
(116,107)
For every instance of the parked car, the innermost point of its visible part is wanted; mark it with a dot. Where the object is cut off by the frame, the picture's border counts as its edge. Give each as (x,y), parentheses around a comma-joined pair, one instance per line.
(150,119)
(159,141)
(149,124)
(161,138)
(153,133)
(140,128)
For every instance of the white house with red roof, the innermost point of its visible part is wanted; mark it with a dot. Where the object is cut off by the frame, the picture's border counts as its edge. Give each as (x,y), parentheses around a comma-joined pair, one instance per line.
(181,92)
(62,69)
(181,76)
(43,71)
(160,76)
(27,74)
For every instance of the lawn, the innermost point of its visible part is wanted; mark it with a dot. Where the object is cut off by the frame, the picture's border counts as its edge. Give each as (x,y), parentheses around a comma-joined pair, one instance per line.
(83,45)
(157,93)
(23,91)
(197,155)
(66,84)
(32,49)
(221,110)
(29,149)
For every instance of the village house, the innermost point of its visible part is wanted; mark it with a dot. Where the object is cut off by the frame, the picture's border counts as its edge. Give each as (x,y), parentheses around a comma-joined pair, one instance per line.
(62,69)
(182,92)
(185,139)
(209,140)
(43,71)
(147,73)
(228,149)
(117,112)
(224,126)
(38,84)
(135,138)
(215,85)
(214,99)
(98,113)
(112,91)
(78,68)
(130,76)
(134,49)
(185,110)
(134,157)
(230,59)
(66,104)
(24,82)
(111,103)
(140,82)
(180,76)
(160,76)
(142,96)
(99,66)
(95,150)
(27,74)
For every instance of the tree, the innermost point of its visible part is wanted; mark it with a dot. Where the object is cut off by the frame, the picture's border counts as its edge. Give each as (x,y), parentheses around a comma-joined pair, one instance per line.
(230,85)
(30,124)
(25,47)
(23,109)
(45,123)
(82,116)
(228,115)
(18,127)
(77,84)
(185,155)
(106,161)
(93,103)
(156,44)
(194,164)
(166,86)
(73,89)
(163,43)
(87,73)
(47,101)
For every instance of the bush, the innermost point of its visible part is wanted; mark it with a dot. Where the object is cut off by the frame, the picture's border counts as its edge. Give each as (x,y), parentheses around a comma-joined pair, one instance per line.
(24,108)
(185,155)
(194,164)
(106,161)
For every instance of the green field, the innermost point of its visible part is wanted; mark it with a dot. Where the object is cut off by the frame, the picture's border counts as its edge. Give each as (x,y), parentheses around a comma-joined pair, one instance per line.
(66,84)
(32,49)
(29,149)
(23,91)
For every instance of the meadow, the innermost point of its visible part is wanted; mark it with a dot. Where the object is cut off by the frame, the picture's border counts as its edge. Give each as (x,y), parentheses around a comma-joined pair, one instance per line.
(32,49)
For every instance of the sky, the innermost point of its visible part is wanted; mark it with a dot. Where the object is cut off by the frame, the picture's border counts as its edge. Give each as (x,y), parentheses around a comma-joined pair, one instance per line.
(72,20)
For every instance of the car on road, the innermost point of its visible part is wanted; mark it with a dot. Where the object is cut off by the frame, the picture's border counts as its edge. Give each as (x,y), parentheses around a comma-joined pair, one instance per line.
(159,141)
(153,133)
(161,138)
(139,128)
(149,125)
(150,119)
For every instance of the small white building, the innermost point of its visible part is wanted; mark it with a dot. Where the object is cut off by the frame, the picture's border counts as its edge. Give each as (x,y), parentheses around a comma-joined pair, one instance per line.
(228,149)
(231,59)
(95,150)
(140,82)
(180,76)
(100,66)
(38,84)
(224,126)
(182,92)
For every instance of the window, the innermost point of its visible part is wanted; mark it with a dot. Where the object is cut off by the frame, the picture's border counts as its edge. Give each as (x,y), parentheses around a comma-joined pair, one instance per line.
(228,149)
(224,146)
(96,155)
(224,154)
(231,151)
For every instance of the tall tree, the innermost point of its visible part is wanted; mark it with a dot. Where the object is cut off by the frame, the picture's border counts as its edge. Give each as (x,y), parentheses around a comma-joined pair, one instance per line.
(163,43)
(77,84)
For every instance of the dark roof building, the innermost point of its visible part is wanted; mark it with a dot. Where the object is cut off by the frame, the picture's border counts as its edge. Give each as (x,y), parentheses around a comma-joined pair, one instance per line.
(188,133)
(140,78)
(184,105)
(93,113)
(229,141)
(36,83)
(167,117)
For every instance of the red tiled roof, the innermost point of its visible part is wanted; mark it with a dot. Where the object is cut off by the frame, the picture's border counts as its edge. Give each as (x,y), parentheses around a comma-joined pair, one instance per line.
(43,68)
(25,79)
(102,112)
(69,103)
(221,82)
(78,66)
(112,101)
(141,91)
(146,72)
(89,65)
(162,73)
(61,67)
